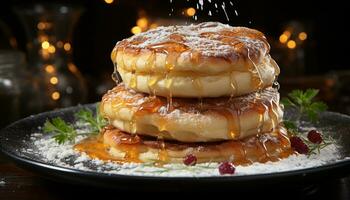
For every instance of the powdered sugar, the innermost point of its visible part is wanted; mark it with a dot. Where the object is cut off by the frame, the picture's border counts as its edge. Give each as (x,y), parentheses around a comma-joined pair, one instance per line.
(65,156)
(205,38)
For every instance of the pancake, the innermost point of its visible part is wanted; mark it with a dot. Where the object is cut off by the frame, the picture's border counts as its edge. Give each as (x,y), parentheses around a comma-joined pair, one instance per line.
(192,120)
(132,148)
(205,60)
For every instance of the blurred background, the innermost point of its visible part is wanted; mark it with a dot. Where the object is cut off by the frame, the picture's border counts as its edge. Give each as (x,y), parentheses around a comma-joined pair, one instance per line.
(56,54)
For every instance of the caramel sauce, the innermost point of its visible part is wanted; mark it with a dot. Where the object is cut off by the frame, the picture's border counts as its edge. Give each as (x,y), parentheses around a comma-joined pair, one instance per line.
(95,148)
(234,129)
(263,103)
(230,38)
(168,83)
(255,74)
(245,151)
(133,78)
(172,50)
(163,156)
(233,85)
(131,153)
(196,82)
(153,78)
(261,109)
(202,40)
(260,148)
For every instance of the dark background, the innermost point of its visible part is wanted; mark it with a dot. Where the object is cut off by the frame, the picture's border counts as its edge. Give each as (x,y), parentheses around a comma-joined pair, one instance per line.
(319,62)
(102,25)
(324,63)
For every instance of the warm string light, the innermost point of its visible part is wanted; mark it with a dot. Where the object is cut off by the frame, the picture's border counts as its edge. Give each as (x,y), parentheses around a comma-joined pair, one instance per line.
(50,69)
(109,1)
(136,30)
(143,24)
(51,49)
(42,38)
(302,36)
(285,38)
(55,95)
(49,46)
(152,26)
(67,46)
(45,45)
(291,44)
(59,44)
(43,25)
(72,68)
(54,80)
(190,12)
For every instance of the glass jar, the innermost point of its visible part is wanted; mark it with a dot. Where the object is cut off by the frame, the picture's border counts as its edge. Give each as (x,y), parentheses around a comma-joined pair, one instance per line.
(9,86)
(49,48)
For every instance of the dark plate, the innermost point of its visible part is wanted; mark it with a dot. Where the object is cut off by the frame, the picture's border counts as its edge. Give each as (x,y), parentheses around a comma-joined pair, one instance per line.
(15,137)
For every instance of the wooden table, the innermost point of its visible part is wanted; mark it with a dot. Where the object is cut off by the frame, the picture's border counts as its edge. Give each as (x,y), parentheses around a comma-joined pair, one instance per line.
(22,184)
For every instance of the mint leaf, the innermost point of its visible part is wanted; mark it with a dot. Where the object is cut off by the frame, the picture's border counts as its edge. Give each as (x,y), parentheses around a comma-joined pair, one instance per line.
(290,125)
(296,96)
(287,103)
(310,94)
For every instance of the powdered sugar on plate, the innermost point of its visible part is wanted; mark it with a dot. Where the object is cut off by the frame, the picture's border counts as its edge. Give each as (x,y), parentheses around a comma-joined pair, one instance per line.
(64,155)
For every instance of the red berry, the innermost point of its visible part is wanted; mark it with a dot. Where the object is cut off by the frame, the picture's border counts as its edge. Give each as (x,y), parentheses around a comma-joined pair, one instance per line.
(226,168)
(314,137)
(298,145)
(190,160)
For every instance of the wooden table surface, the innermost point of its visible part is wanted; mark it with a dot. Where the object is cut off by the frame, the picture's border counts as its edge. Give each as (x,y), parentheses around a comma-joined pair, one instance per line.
(17,183)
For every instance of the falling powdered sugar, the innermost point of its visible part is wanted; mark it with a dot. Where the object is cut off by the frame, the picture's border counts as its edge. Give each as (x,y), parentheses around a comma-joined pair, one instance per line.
(223,6)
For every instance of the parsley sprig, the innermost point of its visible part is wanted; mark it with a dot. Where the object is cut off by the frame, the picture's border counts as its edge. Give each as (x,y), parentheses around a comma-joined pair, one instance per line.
(62,131)
(65,132)
(96,122)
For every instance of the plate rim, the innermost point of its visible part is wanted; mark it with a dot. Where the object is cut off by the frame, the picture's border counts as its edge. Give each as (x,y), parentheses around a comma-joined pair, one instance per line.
(28,162)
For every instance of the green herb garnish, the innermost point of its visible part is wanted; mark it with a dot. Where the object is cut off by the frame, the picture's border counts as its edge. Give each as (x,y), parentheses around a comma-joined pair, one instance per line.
(64,132)
(96,123)
(316,148)
(303,102)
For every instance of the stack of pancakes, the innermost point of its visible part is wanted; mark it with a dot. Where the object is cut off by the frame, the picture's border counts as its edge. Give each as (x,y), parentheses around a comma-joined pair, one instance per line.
(203,89)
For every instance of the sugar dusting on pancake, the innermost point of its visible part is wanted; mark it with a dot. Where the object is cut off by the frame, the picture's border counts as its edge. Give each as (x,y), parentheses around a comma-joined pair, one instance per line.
(196,51)
(190,120)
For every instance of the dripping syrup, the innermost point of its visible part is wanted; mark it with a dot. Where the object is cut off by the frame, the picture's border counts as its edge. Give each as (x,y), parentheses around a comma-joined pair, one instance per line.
(241,152)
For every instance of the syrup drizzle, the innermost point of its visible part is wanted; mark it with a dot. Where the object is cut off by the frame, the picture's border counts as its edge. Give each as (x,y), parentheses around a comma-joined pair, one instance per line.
(255,73)
(153,78)
(173,48)
(261,148)
(163,156)
(264,103)
(173,41)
